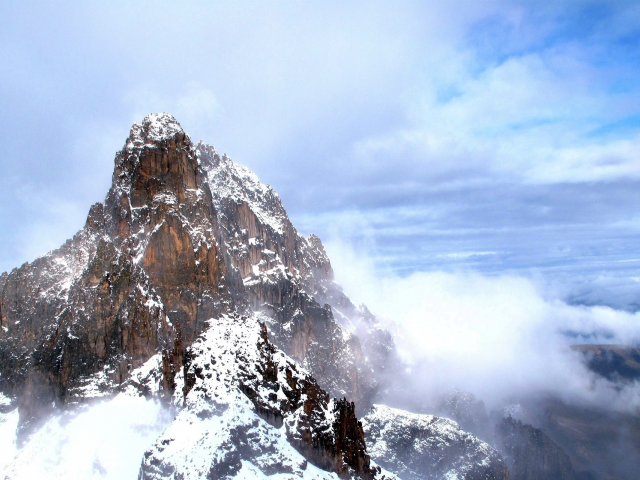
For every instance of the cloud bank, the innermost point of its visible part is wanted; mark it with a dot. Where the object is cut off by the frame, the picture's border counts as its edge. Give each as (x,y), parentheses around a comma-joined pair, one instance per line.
(501,338)
(103,441)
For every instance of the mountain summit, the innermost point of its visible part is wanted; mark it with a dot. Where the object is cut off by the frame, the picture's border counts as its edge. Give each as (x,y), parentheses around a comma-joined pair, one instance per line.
(190,285)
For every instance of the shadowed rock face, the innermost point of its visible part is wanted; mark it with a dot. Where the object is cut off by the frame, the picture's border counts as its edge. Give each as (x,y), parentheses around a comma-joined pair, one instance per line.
(531,454)
(338,445)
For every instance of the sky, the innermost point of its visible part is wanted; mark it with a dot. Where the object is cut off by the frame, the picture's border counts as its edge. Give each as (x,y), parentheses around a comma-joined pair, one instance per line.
(494,137)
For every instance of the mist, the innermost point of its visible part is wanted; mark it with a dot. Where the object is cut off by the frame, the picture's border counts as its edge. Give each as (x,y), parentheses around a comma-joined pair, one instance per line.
(106,440)
(501,338)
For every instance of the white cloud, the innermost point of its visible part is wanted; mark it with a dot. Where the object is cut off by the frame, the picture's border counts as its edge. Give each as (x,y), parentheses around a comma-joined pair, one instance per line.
(497,337)
(104,441)
(529,118)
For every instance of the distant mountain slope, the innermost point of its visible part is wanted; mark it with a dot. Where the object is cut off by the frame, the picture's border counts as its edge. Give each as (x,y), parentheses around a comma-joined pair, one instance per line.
(614,362)
(425,447)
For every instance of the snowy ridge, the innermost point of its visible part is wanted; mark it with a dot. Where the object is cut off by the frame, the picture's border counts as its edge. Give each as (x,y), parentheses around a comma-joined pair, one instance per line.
(203,439)
(221,429)
(234,186)
(232,182)
(155,127)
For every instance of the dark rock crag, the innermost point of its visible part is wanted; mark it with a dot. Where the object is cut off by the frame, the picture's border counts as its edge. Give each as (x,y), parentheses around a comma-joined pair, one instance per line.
(530,454)
(337,446)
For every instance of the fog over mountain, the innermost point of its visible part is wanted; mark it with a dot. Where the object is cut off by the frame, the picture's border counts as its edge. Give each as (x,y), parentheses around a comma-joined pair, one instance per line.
(499,337)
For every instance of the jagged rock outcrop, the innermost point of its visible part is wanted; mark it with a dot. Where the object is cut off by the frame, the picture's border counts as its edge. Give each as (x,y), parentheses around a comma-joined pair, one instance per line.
(421,447)
(248,410)
(139,278)
(336,445)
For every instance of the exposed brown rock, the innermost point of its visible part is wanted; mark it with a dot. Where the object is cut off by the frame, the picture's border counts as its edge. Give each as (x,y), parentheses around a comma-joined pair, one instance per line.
(141,277)
(338,446)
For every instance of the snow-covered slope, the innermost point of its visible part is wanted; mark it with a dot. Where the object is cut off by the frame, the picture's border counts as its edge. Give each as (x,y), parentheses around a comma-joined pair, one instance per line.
(249,413)
(243,410)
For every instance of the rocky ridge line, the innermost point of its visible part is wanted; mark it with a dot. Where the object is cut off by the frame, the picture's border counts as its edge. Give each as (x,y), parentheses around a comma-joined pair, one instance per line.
(148,272)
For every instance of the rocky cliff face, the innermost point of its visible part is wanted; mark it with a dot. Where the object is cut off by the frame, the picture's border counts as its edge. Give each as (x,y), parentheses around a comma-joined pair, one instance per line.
(189,284)
(141,277)
(161,257)
(282,273)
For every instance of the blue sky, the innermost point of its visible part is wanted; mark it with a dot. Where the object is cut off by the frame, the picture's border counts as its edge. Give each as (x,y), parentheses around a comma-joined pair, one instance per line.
(498,137)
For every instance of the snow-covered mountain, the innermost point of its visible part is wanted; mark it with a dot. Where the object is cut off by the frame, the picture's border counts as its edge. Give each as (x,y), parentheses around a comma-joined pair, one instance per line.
(190,289)
(425,447)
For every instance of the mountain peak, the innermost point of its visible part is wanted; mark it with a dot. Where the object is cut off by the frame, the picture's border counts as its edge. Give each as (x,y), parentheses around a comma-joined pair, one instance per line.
(154,128)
